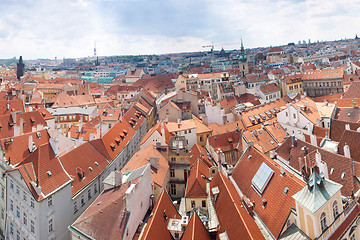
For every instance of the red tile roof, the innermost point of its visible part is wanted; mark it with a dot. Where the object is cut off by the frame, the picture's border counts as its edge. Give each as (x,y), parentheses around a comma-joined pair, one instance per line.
(344,226)
(198,152)
(156,227)
(88,161)
(337,128)
(353,91)
(142,158)
(295,155)
(37,166)
(231,213)
(269,88)
(195,229)
(261,140)
(274,194)
(196,183)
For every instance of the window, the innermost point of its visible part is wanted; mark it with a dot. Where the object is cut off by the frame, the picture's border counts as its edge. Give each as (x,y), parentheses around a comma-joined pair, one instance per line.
(2,214)
(201,139)
(294,115)
(75,207)
(32,204)
(2,193)
(233,155)
(32,227)
(189,130)
(12,185)
(11,205)
(51,226)
(89,194)
(24,196)
(17,235)
(173,159)
(82,200)
(172,173)
(262,177)
(17,190)
(323,222)
(192,204)
(25,219)
(11,229)
(18,212)
(335,210)
(172,189)
(203,203)
(50,201)
(95,188)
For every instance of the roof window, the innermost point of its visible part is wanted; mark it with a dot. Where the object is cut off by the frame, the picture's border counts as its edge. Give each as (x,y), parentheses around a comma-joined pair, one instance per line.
(262,178)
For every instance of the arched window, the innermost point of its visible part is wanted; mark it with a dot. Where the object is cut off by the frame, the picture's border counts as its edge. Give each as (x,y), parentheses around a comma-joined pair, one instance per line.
(335,209)
(323,222)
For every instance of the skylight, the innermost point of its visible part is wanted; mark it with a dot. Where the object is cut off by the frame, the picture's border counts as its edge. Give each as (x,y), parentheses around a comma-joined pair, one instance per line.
(262,177)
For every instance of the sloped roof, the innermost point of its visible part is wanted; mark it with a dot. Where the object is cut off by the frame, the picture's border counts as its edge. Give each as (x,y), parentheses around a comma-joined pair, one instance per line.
(88,161)
(243,174)
(199,152)
(353,91)
(337,164)
(156,227)
(337,128)
(348,114)
(16,150)
(269,88)
(317,192)
(195,229)
(142,158)
(262,139)
(323,74)
(276,131)
(221,141)
(196,183)
(36,167)
(231,213)
(228,127)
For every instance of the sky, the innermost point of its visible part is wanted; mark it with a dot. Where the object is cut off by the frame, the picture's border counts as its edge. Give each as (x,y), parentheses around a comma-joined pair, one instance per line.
(70,28)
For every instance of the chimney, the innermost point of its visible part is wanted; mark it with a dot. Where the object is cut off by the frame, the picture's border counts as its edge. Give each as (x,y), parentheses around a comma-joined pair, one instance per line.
(162,129)
(36,187)
(21,126)
(318,157)
(118,178)
(313,140)
(13,117)
(98,132)
(264,203)
(31,145)
(7,106)
(154,162)
(347,126)
(69,134)
(179,123)
(293,141)
(347,151)
(54,143)
(306,105)
(80,125)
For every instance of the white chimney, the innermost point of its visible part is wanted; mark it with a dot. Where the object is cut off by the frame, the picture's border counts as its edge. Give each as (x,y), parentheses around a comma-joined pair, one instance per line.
(31,145)
(306,104)
(69,134)
(313,140)
(347,126)
(21,126)
(118,178)
(54,143)
(347,151)
(98,132)
(80,125)
(318,157)
(154,162)
(162,129)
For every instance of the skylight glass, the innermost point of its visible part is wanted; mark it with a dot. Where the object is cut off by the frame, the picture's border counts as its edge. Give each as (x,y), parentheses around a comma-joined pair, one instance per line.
(262,177)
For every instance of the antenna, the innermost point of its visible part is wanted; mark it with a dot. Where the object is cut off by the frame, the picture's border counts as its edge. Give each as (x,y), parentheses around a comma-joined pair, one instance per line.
(94,48)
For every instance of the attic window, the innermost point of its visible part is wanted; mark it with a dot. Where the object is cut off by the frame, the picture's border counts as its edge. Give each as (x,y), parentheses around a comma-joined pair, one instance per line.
(80,173)
(249,156)
(117,140)
(32,119)
(272,142)
(38,134)
(286,190)
(112,145)
(125,132)
(230,140)
(343,175)
(262,178)
(90,168)
(96,163)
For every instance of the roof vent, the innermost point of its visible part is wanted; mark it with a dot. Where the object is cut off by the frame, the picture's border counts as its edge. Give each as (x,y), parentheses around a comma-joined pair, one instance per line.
(96,163)
(90,168)
(286,190)
(264,203)
(249,156)
(48,173)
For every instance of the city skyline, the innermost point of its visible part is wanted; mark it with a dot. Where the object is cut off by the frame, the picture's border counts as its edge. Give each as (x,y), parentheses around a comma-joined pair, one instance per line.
(43,29)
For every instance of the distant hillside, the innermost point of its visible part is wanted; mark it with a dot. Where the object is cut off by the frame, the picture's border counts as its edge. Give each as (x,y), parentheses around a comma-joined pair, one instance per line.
(9,62)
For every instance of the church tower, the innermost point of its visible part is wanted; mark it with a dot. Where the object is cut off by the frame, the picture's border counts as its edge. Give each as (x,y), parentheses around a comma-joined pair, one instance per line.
(20,69)
(243,64)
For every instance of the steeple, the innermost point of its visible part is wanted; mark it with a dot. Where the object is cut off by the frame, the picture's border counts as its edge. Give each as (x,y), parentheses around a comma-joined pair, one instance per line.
(20,69)
(242,56)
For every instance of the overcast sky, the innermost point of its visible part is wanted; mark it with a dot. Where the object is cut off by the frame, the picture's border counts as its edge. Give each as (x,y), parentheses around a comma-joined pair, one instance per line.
(69,28)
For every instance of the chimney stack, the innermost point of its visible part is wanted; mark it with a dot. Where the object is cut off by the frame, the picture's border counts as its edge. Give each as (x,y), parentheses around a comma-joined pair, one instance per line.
(118,178)
(154,162)
(313,140)
(347,151)
(347,126)
(293,141)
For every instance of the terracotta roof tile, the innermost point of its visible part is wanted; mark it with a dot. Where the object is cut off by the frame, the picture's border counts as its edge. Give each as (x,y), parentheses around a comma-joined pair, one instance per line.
(274,194)
(337,128)
(353,91)
(156,227)
(195,229)
(231,213)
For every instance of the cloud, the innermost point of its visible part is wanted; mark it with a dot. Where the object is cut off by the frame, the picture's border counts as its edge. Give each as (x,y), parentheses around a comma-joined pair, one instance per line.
(68,28)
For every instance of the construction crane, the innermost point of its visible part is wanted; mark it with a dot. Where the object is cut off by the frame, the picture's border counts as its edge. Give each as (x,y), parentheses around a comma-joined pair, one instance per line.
(212,46)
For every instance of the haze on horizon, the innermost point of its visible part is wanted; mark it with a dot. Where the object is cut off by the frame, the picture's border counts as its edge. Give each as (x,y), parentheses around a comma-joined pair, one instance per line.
(68,28)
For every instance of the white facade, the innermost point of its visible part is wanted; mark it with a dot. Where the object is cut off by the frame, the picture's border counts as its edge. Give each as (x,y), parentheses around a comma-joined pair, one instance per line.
(28,218)
(294,122)
(214,113)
